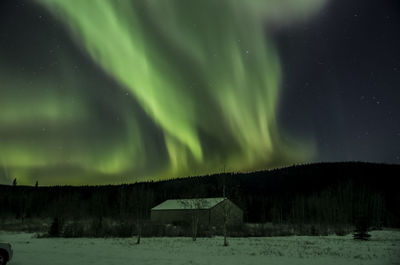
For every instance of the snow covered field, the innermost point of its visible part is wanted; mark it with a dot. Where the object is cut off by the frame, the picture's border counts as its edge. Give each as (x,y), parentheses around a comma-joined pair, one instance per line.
(383,248)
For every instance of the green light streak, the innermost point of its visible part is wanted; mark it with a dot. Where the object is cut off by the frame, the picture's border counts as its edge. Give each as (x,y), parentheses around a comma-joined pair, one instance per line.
(205,72)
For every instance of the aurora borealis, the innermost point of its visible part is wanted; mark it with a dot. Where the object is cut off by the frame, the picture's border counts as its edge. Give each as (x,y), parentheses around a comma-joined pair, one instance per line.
(118,91)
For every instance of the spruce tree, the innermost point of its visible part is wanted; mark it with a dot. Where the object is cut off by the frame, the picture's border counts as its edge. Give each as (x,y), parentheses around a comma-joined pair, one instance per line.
(362,224)
(55,228)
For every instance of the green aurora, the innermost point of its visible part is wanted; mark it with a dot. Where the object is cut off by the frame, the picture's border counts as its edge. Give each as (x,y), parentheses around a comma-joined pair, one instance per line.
(194,90)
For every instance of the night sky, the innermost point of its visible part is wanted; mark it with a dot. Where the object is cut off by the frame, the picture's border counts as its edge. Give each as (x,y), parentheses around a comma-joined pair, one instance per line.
(97,92)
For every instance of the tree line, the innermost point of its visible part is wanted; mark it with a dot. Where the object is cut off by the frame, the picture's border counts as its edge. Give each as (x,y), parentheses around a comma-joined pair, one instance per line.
(325,193)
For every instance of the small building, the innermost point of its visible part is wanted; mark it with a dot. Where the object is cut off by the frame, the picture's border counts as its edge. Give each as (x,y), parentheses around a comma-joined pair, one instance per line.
(208,212)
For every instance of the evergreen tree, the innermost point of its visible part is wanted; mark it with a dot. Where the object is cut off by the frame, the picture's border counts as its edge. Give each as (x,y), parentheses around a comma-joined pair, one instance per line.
(361,232)
(55,228)
(362,223)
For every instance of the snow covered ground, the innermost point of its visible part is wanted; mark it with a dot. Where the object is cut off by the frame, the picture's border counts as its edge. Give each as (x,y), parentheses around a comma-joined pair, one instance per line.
(383,248)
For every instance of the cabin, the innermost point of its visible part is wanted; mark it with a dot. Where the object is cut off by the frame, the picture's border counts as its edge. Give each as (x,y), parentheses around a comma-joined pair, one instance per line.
(208,212)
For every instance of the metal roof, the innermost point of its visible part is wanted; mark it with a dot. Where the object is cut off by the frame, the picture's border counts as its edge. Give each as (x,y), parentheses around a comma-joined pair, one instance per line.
(189,204)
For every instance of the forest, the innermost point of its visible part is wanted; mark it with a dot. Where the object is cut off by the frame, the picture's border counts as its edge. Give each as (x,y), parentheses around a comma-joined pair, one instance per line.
(329,194)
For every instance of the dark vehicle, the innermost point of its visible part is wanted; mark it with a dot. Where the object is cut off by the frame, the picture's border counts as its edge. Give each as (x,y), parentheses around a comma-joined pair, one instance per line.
(6,253)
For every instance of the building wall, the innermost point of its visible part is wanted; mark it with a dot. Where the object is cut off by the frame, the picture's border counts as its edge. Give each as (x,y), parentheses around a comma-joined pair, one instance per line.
(179,216)
(234,214)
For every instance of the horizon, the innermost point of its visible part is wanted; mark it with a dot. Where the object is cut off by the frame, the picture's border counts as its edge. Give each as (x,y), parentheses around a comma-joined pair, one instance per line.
(149,181)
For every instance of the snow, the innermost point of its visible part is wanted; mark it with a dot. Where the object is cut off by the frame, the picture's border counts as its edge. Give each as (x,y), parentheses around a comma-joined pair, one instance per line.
(181,204)
(383,248)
